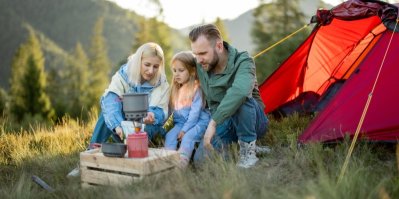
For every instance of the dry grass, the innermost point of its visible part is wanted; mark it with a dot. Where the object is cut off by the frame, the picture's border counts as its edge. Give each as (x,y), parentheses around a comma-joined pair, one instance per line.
(288,172)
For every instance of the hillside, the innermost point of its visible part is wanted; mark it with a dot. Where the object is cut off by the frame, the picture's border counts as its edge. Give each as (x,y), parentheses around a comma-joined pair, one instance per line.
(239,29)
(65,23)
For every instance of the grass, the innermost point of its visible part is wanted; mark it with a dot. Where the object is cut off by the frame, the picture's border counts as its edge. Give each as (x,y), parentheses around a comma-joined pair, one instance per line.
(290,171)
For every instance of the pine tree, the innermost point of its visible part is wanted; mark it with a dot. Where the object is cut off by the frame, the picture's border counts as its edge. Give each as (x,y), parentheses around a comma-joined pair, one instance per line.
(273,22)
(17,104)
(99,65)
(220,24)
(78,82)
(28,82)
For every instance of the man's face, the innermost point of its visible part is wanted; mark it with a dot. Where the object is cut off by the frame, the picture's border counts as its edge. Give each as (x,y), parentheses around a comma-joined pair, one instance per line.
(205,52)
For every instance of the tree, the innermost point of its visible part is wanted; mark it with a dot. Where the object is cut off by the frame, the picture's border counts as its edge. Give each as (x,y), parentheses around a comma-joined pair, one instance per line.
(153,30)
(273,22)
(28,82)
(220,24)
(3,101)
(77,86)
(99,65)
(17,105)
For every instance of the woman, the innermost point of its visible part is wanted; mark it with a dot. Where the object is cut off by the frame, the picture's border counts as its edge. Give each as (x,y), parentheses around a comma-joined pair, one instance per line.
(144,72)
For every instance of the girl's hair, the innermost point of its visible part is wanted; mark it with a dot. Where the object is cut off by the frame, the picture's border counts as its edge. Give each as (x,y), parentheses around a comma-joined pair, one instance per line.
(134,62)
(187,58)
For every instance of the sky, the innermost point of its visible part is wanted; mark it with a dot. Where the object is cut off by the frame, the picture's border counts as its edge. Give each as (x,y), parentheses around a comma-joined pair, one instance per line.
(184,13)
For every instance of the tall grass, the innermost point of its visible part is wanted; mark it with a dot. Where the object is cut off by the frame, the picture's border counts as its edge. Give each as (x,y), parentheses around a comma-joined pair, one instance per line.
(288,171)
(67,137)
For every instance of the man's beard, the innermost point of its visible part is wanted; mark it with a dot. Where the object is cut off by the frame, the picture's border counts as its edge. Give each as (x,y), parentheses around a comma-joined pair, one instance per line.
(214,62)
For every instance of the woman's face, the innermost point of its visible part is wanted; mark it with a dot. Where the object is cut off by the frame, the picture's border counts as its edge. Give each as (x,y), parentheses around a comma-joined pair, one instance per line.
(149,67)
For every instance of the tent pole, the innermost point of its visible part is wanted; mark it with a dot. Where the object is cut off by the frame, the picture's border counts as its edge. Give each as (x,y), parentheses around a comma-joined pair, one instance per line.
(277,43)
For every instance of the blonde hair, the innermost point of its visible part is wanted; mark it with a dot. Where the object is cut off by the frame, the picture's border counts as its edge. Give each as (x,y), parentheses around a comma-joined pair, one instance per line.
(134,62)
(187,58)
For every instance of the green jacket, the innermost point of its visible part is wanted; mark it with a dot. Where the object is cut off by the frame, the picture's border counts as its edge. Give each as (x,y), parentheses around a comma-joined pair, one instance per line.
(227,91)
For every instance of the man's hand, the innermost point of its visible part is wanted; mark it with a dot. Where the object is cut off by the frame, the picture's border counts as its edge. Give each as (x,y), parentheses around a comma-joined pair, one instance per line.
(209,133)
(150,119)
(119,131)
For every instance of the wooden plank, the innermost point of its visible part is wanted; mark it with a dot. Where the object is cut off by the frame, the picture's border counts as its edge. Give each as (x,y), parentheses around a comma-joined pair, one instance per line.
(158,160)
(106,178)
(94,178)
(98,160)
(161,160)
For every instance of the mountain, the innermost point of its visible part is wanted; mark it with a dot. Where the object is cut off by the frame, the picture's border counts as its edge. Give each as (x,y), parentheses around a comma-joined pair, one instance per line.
(63,23)
(239,29)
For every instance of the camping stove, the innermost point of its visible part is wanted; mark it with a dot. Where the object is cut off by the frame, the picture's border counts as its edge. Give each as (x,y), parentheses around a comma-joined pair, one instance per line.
(135,106)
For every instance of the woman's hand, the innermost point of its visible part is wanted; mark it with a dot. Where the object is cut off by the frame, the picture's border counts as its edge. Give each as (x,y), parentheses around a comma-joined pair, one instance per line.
(119,131)
(150,119)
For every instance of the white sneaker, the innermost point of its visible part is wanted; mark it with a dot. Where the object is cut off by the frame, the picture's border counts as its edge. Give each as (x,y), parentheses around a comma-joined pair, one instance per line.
(247,154)
(74,173)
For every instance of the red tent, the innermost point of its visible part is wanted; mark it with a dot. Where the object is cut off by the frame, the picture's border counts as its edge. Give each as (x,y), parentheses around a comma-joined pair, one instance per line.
(352,51)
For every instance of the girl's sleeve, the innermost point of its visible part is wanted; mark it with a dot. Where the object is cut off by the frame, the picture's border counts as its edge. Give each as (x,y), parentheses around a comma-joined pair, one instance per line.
(111,106)
(195,112)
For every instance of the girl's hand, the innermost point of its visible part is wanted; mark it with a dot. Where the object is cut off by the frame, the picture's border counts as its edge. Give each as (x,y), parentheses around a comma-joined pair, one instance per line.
(180,136)
(150,119)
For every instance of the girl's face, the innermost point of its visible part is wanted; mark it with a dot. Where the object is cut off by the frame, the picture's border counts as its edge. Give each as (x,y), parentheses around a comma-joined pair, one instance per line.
(180,72)
(149,67)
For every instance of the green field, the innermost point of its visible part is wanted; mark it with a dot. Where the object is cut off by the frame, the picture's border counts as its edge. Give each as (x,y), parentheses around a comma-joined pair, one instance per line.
(308,172)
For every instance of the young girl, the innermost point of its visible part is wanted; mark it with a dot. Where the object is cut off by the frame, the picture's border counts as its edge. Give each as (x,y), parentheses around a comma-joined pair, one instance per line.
(190,118)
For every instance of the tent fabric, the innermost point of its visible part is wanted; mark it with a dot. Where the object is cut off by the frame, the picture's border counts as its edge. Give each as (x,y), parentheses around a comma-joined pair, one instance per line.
(347,45)
(343,114)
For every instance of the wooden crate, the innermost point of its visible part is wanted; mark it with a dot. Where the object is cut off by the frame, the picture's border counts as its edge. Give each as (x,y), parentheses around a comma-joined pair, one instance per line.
(97,169)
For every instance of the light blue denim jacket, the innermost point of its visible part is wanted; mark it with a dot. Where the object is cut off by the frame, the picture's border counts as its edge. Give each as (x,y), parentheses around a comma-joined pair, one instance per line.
(192,115)
(111,103)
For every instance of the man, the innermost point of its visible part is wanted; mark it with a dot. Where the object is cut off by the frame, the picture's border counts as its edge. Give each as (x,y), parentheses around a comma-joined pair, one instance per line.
(228,81)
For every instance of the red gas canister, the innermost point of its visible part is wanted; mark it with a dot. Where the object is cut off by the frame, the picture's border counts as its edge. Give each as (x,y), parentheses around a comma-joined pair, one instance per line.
(137,145)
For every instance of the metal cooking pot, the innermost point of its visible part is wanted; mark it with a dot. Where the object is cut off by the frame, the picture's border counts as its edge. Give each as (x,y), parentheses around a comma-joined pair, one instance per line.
(114,149)
(135,105)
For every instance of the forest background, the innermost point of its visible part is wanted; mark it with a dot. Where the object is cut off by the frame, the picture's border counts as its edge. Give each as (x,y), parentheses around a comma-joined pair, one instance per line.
(58,56)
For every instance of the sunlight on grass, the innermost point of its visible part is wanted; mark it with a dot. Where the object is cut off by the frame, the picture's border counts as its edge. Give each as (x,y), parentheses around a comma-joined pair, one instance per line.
(289,171)
(67,137)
